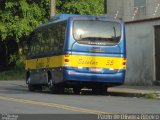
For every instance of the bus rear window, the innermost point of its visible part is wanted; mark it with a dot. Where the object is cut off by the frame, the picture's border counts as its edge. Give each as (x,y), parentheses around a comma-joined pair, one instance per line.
(97,32)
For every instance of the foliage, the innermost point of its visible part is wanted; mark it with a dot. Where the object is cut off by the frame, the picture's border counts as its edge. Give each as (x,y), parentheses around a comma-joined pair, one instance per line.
(151,95)
(19,17)
(14,74)
(94,7)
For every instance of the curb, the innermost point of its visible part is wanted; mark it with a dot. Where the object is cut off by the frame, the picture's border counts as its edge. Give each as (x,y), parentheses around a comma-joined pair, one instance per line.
(124,92)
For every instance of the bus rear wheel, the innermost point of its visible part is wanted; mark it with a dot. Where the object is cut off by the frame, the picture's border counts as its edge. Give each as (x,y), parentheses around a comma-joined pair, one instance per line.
(77,91)
(34,87)
(56,89)
(99,90)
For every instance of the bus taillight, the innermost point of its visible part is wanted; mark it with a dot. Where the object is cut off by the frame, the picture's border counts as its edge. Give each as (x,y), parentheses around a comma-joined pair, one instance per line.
(66,60)
(124,63)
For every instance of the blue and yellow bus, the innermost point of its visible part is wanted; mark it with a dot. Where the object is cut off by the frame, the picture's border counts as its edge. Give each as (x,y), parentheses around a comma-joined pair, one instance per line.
(77,51)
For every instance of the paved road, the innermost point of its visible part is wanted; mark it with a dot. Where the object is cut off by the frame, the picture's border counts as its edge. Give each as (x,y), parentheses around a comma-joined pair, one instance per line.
(15,98)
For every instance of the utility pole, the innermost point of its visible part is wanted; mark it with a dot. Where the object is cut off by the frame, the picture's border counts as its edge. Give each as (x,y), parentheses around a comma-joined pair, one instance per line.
(105,6)
(53,8)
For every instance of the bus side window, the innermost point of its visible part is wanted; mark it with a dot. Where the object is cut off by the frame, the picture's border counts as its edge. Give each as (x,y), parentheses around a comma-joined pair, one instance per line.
(55,38)
(47,41)
(59,37)
(31,44)
(63,31)
(40,39)
(51,40)
(31,51)
(42,42)
(37,44)
(43,46)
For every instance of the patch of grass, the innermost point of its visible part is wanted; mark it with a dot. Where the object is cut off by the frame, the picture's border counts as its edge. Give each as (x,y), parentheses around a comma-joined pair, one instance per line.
(15,74)
(151,96)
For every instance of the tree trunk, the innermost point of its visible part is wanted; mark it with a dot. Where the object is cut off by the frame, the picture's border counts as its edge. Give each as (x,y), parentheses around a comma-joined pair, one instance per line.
(53,8)
(105,6)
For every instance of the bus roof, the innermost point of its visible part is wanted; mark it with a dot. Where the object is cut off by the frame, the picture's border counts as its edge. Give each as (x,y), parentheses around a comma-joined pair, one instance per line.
(66,16)
(63,17)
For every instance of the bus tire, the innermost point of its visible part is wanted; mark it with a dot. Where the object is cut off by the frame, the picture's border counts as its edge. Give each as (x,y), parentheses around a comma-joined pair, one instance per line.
(34,87)
(77,91)
(31,87)
(54,88)
(101,90)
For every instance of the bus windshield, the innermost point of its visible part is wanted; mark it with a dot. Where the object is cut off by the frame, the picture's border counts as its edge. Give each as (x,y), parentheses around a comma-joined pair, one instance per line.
(96,32)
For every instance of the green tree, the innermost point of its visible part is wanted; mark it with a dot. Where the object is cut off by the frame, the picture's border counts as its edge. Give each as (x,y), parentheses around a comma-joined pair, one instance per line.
(20,17)
(17,19)
(95,7)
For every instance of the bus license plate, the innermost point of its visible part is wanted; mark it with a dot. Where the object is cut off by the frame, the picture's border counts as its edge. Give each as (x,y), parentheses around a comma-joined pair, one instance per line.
(95,69)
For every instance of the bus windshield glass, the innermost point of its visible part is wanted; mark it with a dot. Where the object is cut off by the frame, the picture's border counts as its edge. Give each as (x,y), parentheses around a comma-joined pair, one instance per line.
(97,32)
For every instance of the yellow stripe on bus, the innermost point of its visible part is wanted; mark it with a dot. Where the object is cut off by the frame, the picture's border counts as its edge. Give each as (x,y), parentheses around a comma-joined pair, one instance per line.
(77,61)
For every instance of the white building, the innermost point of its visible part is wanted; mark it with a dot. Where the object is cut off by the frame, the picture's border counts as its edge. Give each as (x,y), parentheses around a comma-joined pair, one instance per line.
(142,19)
(130,10)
